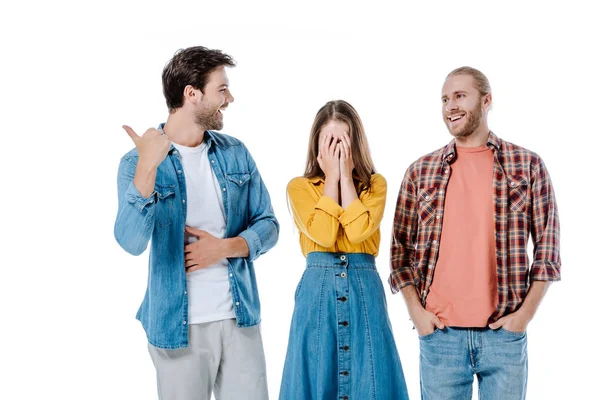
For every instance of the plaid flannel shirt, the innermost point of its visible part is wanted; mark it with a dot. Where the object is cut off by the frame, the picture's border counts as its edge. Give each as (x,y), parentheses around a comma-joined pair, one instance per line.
(524,204)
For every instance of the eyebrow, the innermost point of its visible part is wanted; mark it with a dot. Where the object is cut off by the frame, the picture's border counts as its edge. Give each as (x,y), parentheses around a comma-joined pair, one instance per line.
(444,96)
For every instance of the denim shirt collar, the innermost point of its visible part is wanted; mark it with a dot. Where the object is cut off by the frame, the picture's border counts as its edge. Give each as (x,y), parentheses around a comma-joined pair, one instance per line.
(209,138)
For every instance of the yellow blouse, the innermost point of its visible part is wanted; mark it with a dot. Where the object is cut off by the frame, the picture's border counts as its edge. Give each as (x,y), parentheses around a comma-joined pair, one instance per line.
(325,226)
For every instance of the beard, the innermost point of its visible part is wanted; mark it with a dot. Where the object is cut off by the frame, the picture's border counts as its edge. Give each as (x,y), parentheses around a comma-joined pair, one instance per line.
(209,118)
(472,123)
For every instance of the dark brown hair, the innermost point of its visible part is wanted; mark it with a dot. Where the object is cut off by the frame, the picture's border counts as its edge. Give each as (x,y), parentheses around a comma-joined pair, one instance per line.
(190,66)
(340,110)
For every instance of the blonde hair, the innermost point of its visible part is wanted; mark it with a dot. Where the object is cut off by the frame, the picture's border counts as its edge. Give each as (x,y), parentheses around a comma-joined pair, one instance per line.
(482,84)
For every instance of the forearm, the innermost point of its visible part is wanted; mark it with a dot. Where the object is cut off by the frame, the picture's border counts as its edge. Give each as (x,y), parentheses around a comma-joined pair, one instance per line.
(348,192)
(135,216)
(234,247)
(144,179)
(534,297)
(331,189)
(413,303)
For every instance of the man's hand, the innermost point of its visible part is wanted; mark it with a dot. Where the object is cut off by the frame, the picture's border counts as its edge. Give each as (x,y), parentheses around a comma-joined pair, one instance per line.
(516,322)
(152,146)
(425,321)
(208,250)
(152,149)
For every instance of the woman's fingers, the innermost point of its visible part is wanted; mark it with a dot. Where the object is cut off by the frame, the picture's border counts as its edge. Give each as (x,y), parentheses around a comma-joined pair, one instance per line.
(322,141)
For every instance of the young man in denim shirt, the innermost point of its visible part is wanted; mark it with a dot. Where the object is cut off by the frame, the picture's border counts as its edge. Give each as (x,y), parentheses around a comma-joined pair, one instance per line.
(197,196)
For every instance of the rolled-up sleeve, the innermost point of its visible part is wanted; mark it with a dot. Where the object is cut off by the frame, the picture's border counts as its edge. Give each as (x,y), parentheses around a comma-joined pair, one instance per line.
(135,215)
(263,228)
(545,229)
(404,232)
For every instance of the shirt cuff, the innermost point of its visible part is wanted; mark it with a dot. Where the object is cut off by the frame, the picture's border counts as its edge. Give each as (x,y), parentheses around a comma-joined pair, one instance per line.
(354,210)
(327,204)
(400,278)
(134,197)
(544,271)
(254,243)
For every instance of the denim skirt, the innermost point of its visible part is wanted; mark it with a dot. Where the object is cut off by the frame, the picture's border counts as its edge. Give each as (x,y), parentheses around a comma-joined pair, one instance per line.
(341,344)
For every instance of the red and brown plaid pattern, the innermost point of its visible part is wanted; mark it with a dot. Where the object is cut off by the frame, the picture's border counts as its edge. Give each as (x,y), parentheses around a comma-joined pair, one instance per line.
(524,204)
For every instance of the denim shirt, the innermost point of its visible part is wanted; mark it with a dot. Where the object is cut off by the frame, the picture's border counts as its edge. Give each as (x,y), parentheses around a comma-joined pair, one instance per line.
(160,220)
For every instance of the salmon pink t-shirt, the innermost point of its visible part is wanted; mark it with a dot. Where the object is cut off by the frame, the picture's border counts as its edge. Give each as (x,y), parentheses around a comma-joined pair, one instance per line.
(464,291)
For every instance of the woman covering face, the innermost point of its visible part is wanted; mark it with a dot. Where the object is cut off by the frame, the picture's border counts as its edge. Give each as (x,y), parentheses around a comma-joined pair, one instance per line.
(341,344)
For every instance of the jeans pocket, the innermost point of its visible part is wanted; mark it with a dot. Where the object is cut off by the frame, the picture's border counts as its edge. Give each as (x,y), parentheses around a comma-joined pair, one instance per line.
(429,335)
(516,334)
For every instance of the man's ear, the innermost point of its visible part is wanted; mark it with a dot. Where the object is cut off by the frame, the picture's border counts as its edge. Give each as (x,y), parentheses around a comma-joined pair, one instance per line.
(487,102)
(192,94)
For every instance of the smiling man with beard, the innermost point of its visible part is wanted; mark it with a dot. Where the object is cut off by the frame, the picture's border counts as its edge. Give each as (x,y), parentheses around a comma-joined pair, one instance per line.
(459,250)
(196,195)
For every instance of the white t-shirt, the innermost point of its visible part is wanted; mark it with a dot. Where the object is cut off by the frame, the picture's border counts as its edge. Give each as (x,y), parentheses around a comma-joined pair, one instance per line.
(209,293)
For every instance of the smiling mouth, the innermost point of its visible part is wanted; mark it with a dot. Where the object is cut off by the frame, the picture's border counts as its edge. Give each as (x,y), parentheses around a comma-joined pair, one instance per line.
(455,117)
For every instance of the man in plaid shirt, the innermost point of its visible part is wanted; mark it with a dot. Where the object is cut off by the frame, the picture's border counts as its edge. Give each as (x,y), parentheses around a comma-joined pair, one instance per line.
(459,250)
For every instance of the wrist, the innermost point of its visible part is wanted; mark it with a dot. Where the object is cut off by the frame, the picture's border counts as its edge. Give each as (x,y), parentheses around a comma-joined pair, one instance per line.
(346,176)
(146,166)
(347,180)
(525,313)
(223,248)
(332,178)
(415,309)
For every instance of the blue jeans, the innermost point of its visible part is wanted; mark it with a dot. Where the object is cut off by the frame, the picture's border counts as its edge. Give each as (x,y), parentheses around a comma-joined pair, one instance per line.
(451,356)
(341,345)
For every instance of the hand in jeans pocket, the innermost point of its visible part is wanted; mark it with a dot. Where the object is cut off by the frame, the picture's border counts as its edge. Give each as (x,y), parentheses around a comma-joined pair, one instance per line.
(514,323)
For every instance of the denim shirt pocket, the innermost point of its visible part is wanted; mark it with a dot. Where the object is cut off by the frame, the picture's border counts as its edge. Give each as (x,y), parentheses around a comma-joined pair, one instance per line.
(165,204)
(238,191)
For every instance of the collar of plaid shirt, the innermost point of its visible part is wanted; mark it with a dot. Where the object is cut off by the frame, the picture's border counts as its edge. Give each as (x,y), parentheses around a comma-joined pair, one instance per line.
(524,206)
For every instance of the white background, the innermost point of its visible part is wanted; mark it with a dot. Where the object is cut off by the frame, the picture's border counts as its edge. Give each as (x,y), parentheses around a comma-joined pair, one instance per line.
(73,73)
